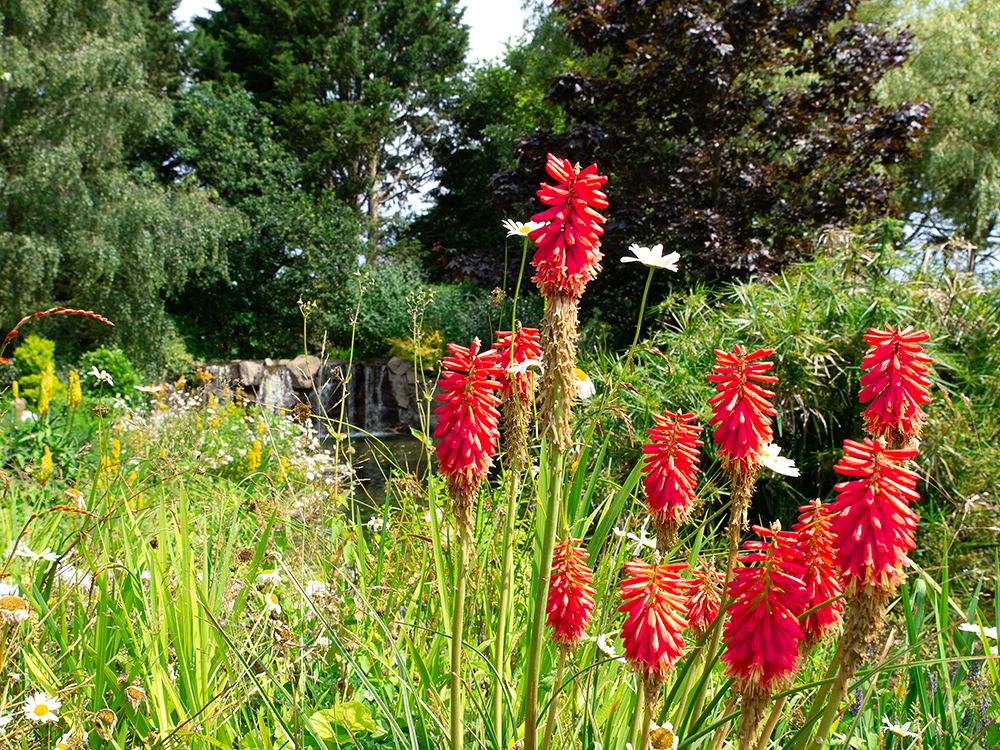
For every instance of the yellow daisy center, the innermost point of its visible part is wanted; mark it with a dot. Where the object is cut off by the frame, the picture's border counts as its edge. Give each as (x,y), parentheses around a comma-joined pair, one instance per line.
(40,710)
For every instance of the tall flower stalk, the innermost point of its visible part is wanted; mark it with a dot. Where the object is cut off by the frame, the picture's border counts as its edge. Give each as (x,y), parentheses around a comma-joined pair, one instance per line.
(517,349)
(568,255)
(468,433)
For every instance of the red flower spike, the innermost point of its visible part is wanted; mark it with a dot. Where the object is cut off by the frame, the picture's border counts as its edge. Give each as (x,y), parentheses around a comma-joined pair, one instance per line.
(654,603)
(763,632)
(814,552)
(571,597)
(705,598)
(525,347)
(872,523)
(50,311)
(468,418)
(895,382)
(742,411)
(568,246)
(670,466)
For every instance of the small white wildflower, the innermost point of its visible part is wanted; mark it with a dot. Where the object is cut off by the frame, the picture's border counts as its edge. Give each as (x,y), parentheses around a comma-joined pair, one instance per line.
(273,604)
(314,588)
(377,524)
(584,385)
(523,367)
(971,627)
(23,550)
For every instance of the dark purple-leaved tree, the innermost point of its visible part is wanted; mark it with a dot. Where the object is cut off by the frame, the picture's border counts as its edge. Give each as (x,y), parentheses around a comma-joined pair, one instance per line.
(730,130)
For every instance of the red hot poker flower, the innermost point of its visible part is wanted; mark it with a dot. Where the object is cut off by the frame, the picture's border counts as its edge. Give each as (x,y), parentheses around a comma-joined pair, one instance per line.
(525,348)
(742,412)
(571,597)
(895,382)
(670,466)
(814,551)
(468,419)
(705,598)
(654,603)
(872,523)
(568,244)
(763,632)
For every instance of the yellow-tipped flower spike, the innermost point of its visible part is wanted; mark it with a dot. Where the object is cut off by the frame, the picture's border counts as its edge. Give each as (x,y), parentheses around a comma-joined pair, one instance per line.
(74,395)
(45,389)
(45,467)
(14,390)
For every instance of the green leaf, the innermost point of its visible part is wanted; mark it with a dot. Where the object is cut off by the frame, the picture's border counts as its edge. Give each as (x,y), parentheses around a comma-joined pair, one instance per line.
(343,721)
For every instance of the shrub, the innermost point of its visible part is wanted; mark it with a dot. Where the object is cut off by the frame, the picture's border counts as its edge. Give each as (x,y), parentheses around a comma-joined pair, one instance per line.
(33,357)
(115,363)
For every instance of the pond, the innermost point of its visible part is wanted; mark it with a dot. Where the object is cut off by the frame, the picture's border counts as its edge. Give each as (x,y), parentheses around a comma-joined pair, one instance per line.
(375,458)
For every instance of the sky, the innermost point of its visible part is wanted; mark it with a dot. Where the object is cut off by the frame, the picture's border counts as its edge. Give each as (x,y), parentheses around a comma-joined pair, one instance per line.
(491,22)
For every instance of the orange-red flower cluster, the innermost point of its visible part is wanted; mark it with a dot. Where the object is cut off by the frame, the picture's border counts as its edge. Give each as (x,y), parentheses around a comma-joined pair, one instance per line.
(872,522)
(705,599)
(516,349)
(895,383)
(468,418)
(654,603)
(814,551)
(571,597)
(670,466)
(742,412)
(763,633)
(569,248)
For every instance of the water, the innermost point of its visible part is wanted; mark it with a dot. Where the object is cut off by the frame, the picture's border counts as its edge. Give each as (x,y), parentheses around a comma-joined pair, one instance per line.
(373,460)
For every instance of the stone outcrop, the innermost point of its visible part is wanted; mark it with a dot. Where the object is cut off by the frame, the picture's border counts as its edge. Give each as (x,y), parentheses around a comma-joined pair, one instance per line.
(375,396)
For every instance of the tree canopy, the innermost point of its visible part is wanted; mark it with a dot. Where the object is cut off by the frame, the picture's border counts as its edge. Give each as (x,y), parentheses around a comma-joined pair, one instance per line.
(354,87)
(729,128)
(953,183)
(79,225)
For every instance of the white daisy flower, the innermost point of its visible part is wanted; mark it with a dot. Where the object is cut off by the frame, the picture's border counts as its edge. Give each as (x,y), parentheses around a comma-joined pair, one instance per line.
(900,730)
(652,257)
(101,375)
(663,737)
(23,550)
(272,603)
(517,229)
(584,385)
(269,576)
(971,627)
(527,365)
(41,708)
(776,463)
(13,609)
(5,720)
(9,589)
(377,524)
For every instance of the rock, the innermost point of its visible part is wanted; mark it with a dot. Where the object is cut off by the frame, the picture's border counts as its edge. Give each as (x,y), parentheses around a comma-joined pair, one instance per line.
(251,373)
(304,370)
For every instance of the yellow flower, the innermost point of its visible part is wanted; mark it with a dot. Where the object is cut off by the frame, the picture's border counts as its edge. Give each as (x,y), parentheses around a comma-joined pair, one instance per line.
(116,450)
(13,390)
(45,389)
(74,396)
(253,456)
(45,466)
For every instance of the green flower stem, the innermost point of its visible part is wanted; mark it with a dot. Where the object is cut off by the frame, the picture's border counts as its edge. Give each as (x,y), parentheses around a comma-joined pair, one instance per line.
(647,720)
(637,714)
(551,721)
(556,460)
(500,655)
(638,331)
(457,625)
(517,289)
(772,722)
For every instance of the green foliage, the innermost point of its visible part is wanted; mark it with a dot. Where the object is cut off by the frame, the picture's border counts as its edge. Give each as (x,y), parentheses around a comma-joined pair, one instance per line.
(428,347)
(953,183)
(113,361)
(295,245)
(78,221)
(814,316)
(34,355)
